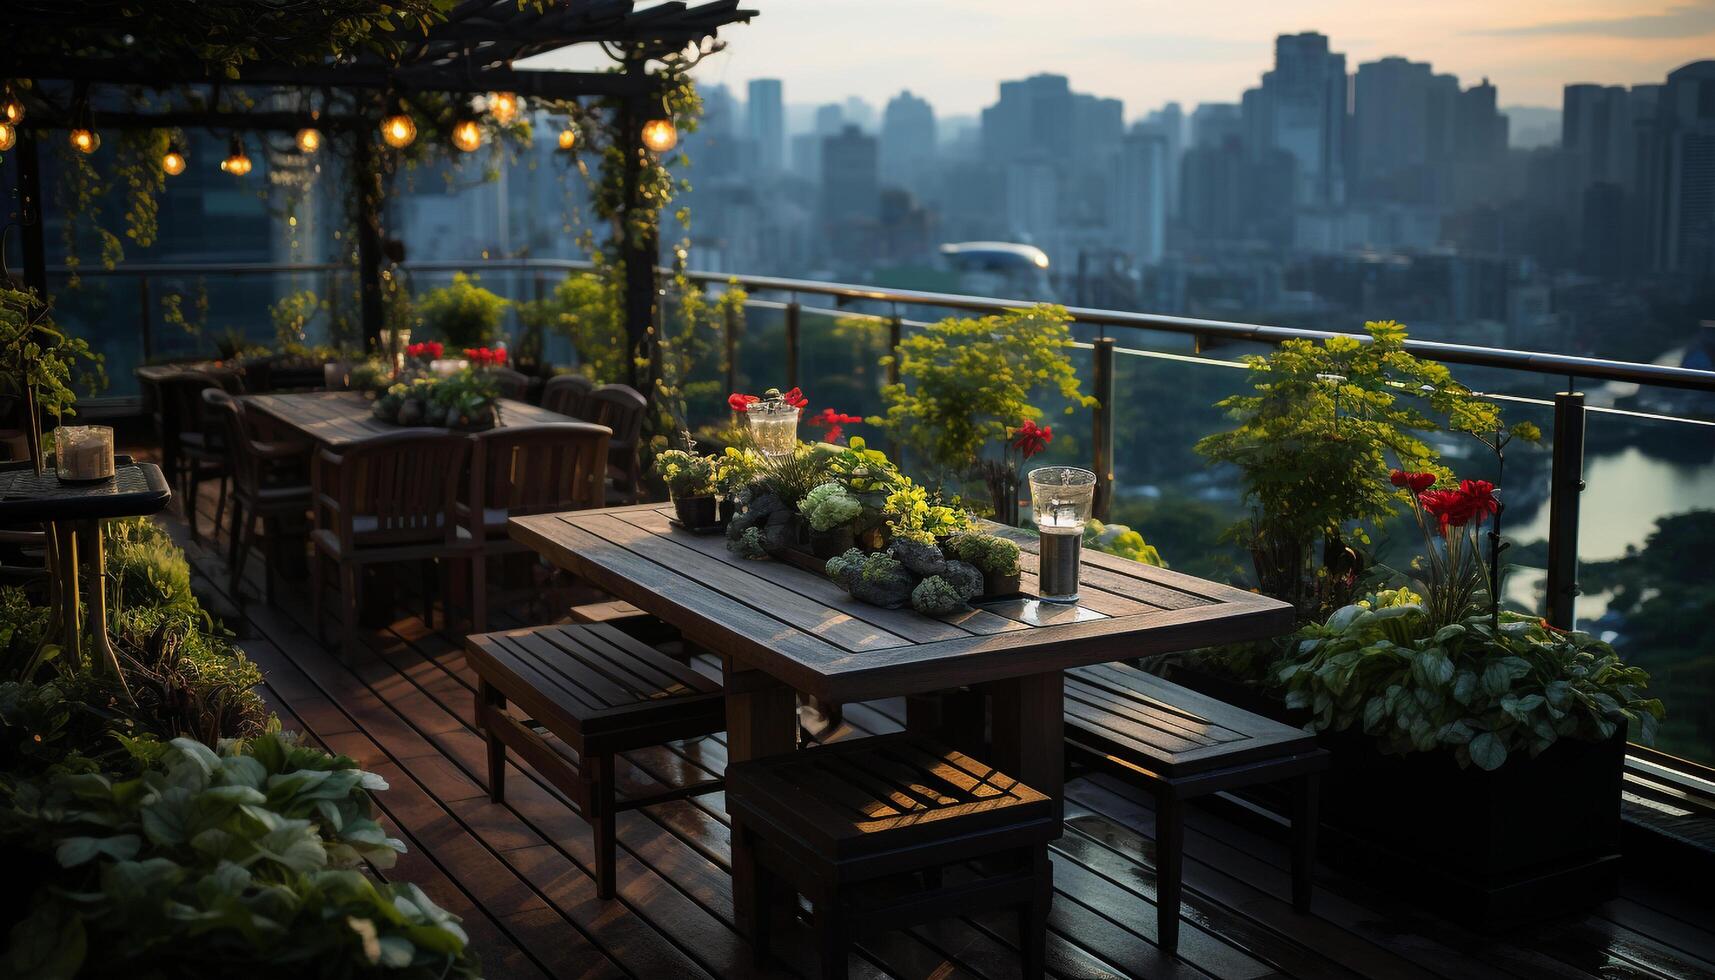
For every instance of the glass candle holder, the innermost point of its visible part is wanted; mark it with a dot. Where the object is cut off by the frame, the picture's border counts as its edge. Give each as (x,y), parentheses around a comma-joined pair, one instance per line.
(1060,502)
(83,453)
(773,427)
(446,367)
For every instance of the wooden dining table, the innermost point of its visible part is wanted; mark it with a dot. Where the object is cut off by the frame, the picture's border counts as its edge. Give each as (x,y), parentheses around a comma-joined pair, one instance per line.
(337,419)
(780,629)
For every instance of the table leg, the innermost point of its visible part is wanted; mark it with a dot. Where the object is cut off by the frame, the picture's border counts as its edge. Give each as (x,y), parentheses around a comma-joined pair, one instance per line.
(761,719)
(1029,740)
(65,547)
(94,553)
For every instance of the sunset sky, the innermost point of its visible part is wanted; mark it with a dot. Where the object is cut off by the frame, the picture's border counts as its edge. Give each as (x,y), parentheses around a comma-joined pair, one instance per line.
(1150,51)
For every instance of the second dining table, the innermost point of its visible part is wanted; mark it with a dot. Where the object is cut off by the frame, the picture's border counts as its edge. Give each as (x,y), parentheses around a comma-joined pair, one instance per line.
(337,419)
(780,629)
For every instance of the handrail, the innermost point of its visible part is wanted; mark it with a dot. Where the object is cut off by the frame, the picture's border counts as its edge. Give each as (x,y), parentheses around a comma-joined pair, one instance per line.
(1534,362)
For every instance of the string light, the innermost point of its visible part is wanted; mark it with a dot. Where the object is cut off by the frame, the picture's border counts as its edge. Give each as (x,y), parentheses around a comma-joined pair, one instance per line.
(568,138)
(660,135)
(173,162)
(503,106)
(397,129)
(236,162)
(8,135)
(12,108)
(83,137)
(467,135)
(309,139)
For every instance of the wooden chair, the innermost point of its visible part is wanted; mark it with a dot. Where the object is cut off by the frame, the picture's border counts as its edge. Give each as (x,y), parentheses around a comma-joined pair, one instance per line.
(600,692)
(526,469)
(621,408)
(866,830)
(393,498)
(513,384)
(195,448)
(568,394)
(1179,744)
(270,482)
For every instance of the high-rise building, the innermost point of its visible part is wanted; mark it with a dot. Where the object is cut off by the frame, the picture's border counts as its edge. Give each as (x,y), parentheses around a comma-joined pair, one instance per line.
(767,114)
(1301,108)
(850,193)
(1168,122)
(830,119)
(1683,163)
(1139,212)
(907,141)
(860,114)
(1216,124)
(1033,119)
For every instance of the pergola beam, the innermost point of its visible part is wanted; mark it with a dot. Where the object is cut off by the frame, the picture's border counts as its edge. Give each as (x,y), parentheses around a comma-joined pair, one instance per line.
(428,78)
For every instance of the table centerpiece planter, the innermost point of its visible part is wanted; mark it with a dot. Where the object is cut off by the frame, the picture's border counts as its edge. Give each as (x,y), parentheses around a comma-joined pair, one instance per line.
(690,480)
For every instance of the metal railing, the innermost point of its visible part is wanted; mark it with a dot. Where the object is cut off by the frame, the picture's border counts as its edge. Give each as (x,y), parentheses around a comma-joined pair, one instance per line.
(1569,408)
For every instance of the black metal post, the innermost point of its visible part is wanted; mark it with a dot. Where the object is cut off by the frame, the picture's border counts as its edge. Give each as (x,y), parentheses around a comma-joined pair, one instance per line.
(1102,450)
(792,311)
(368,177)
(639,247)
(729,331)
(145,321)
(1566,483)
(35,274)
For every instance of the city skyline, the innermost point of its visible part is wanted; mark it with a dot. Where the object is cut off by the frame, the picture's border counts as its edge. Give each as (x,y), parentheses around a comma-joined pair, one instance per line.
(959,50)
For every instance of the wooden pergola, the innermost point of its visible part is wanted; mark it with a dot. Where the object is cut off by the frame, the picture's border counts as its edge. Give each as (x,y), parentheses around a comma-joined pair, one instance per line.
(471,51)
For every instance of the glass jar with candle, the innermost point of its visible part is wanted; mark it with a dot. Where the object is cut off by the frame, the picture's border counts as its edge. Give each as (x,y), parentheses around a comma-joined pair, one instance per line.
(83,453)
(1060,502)
(773,426)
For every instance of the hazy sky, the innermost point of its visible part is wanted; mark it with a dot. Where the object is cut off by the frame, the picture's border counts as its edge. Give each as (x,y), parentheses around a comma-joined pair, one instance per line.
(1150,51)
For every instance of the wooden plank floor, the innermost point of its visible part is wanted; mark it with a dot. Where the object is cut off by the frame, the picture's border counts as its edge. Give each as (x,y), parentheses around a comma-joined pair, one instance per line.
(518,873)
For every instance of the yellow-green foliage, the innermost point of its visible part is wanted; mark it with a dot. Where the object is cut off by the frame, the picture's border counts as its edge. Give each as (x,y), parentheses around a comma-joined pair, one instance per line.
(463,314)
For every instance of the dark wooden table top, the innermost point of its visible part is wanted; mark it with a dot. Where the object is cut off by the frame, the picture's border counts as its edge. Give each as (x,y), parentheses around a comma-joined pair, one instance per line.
(161,372)
(805,631)
(135,490)
(336,419)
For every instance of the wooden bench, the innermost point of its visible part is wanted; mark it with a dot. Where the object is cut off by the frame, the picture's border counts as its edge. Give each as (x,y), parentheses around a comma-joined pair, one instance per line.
(865,829)
(1180,744)
(598,690)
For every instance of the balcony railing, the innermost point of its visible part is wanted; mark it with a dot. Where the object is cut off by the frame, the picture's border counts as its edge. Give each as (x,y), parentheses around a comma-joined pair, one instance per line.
(1649,454)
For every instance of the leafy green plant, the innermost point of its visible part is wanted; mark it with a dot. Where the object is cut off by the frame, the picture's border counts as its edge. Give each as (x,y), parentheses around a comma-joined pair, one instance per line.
(964,382)
(463,313)
(686,474)
(1314,446)
(915,514)
(791,478)
(1117,539)
(214,863)
(830,506)
(588,310)
(39,362)
(1483,692)
(991,554)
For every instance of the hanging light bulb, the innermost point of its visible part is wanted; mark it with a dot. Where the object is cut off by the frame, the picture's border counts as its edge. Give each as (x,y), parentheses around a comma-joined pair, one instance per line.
(568,138)
(660,135)
(12,108)
(173,161)
(309,139)
(503,106)
(467,135)
(397,129)
(236,162)
(8,135)
(83,137)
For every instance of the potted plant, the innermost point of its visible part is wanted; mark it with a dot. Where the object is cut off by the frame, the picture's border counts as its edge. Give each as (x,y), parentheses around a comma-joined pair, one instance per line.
(1478,752)
(463,314)
(995,557)
(966,384)
(833,514)
(690,480)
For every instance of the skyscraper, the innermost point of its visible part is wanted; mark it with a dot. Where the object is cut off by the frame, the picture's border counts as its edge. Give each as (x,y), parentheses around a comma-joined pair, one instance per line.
(1684,159)
(768,124)
(907,141)
(1139,213)
(1301,108)
(1404,118)
(1168,122)
(850,197)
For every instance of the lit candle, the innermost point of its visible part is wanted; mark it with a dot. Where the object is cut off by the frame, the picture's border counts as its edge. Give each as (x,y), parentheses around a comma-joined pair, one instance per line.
(83,452)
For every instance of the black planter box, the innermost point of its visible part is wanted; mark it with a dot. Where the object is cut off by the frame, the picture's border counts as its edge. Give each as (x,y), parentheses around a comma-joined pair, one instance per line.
(1531,840)
(1534,839)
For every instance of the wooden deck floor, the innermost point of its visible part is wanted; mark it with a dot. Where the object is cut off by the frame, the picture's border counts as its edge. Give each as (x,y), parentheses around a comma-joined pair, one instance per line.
(518,873)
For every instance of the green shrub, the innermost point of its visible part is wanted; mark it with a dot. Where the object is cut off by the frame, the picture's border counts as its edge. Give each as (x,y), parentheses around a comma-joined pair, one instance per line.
(1117,539)
(1484,693)
(210,863)
(686,474)
(830,506)
(990,554)
(463,314)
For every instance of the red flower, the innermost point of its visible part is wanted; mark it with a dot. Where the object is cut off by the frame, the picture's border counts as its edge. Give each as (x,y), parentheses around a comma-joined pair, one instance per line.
(835,423)
(1416,482)
(741,403)
(1029,438)
(434,348)
(497,356)
(796,399)
(1480,498)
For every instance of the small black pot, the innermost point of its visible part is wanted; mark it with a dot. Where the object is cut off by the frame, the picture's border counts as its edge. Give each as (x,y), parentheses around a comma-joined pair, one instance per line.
(999,586)
(695,512)
(834,541)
